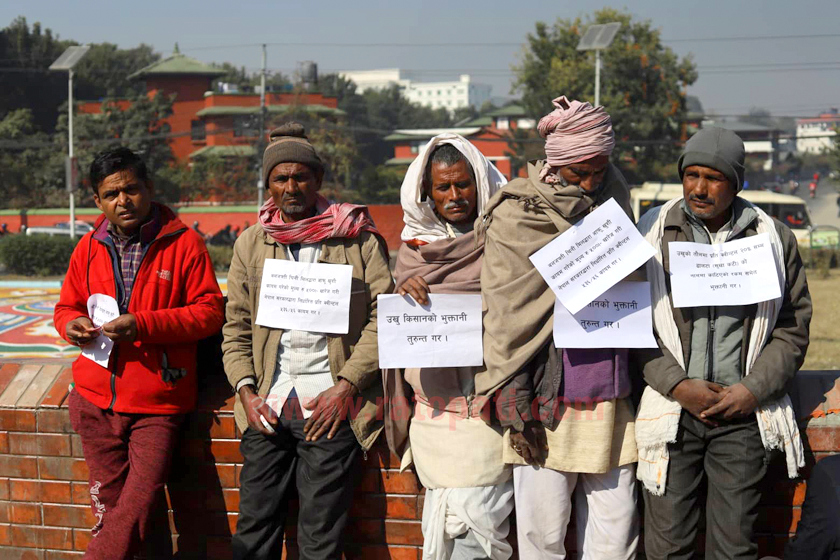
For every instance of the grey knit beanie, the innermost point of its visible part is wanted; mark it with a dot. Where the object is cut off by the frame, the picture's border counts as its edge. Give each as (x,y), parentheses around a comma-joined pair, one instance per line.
(718,148)
(289,144)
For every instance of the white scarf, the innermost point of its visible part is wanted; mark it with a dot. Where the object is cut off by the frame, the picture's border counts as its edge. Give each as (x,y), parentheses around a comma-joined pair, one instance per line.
(658,419)
(421,222)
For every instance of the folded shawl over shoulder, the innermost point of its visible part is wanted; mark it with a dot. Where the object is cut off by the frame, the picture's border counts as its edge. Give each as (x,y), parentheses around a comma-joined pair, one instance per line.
(450,265)
(657,422)
(518,305)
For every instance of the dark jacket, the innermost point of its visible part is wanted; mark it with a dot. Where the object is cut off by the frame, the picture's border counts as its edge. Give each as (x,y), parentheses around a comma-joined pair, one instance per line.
(818,533)
(783,354)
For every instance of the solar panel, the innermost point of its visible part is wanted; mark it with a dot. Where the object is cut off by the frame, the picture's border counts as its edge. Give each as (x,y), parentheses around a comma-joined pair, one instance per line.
(69,58)
(598,36)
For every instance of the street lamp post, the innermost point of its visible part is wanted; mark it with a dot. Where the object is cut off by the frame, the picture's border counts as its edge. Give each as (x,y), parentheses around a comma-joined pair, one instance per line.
(67,61)
(597,38)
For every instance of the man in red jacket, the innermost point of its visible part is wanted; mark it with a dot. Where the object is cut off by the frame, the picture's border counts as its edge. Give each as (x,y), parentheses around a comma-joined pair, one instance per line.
(128,414)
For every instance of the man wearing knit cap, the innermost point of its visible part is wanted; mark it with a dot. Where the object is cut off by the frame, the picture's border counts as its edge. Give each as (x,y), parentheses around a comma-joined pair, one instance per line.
(307,401)
(568,416)
(716,404)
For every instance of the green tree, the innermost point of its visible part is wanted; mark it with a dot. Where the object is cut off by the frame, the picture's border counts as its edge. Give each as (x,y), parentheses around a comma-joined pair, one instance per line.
(643,85)
(27,164)
(104,71)
(140,127)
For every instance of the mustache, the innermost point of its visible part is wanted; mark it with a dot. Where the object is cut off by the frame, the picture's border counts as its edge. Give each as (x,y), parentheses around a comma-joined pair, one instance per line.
(455,204)
(706,200)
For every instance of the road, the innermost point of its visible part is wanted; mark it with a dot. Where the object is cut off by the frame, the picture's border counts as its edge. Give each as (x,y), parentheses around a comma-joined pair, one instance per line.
(824,207)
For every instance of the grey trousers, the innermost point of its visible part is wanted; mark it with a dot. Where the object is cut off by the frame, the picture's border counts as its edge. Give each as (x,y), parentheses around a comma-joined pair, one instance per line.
(731,460)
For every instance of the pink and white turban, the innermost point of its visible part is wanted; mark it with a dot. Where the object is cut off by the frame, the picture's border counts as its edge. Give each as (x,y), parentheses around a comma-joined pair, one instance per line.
(575,132)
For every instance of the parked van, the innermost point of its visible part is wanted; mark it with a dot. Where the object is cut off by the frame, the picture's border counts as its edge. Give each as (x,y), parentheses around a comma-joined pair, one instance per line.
(790,210)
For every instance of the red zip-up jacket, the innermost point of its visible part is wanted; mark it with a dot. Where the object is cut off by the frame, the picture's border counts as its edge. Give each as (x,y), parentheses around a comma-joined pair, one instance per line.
(176,301)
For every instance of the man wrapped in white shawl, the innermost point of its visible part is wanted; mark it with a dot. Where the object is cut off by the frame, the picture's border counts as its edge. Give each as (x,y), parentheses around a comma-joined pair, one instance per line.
(456,452)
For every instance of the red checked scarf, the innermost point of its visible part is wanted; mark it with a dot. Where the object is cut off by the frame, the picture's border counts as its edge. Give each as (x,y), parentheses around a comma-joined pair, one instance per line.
(332,220)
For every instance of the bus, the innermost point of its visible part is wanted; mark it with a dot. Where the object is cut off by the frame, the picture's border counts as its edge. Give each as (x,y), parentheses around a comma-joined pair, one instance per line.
(790,210)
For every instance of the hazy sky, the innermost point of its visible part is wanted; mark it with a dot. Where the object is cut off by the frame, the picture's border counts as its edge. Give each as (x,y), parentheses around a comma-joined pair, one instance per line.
(793,87)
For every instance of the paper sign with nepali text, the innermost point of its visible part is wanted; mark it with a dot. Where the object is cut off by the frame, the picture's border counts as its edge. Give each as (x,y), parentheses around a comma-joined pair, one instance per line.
(738,272)
(311,297)
(445,333)
(101,309)
(619,318)
(592,256)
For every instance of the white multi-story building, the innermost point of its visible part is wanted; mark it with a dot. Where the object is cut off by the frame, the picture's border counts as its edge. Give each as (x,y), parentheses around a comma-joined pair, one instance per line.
(816,135)
(447,95)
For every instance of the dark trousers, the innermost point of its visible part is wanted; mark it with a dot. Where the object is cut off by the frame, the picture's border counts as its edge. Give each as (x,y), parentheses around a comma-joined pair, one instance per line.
(128,456)
(732,460)
(325,477)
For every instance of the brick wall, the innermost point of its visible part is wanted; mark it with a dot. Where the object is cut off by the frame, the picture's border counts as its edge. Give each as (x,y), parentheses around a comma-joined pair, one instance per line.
(44,500)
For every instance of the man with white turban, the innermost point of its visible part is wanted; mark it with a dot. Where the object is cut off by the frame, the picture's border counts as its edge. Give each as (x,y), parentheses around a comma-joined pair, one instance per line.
(447,432)
(569,418)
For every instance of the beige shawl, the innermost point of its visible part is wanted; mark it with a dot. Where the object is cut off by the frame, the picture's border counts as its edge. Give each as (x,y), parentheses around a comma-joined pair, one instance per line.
(518,305)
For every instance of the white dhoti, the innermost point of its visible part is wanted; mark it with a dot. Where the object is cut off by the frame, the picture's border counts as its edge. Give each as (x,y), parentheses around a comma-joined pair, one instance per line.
(481,513)
(605,513)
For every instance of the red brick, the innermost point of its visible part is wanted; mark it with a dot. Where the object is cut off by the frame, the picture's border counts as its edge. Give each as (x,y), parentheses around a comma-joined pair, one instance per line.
(39,491)
(42,537)
(67,555)
(24,514)
(4,488)
(369,482)
(226,451)
(378,506)
(39,444)
(227,476)
(81,539)
(403,532)
(62,468)
(365,530)
(395,482)
(7,373)
(59,390)
(80,492)
(18,467)
(383,457)
(10,553)
(54,421)
(68,516)
(824,438)
(17,420)
(4,442)
(5,535)
(76,446)
(367,552)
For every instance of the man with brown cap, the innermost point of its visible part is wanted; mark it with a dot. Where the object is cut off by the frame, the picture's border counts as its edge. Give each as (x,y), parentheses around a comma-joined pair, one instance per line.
(335,378)
(716,404)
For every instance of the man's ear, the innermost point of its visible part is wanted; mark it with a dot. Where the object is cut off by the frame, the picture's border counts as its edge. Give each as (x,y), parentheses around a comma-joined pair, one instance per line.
(97,201)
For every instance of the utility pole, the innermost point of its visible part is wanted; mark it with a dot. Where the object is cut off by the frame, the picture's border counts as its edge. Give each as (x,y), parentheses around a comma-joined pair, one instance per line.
(260,148)
(597,38)
(67,61)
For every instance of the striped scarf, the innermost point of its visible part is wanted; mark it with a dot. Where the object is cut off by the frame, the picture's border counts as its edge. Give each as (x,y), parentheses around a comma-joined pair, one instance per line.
(331,220)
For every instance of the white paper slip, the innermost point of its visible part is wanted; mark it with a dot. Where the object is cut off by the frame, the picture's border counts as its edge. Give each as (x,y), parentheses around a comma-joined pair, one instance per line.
(101,309)
(446,333)
(735,273)
(619,318)
(592,256)
(311,297)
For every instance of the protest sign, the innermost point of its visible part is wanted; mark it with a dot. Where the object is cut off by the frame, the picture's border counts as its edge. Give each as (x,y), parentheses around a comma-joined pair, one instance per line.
(619,318)
(735,273)
(305,296)
(592,256)
(101,309)
(445,333)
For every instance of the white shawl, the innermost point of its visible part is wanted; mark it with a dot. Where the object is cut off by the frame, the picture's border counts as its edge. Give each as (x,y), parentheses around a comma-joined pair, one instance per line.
(421,223)
(658,418)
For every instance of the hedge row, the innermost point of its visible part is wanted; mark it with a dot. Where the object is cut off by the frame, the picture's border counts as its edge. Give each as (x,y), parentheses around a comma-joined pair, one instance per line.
(43,255)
